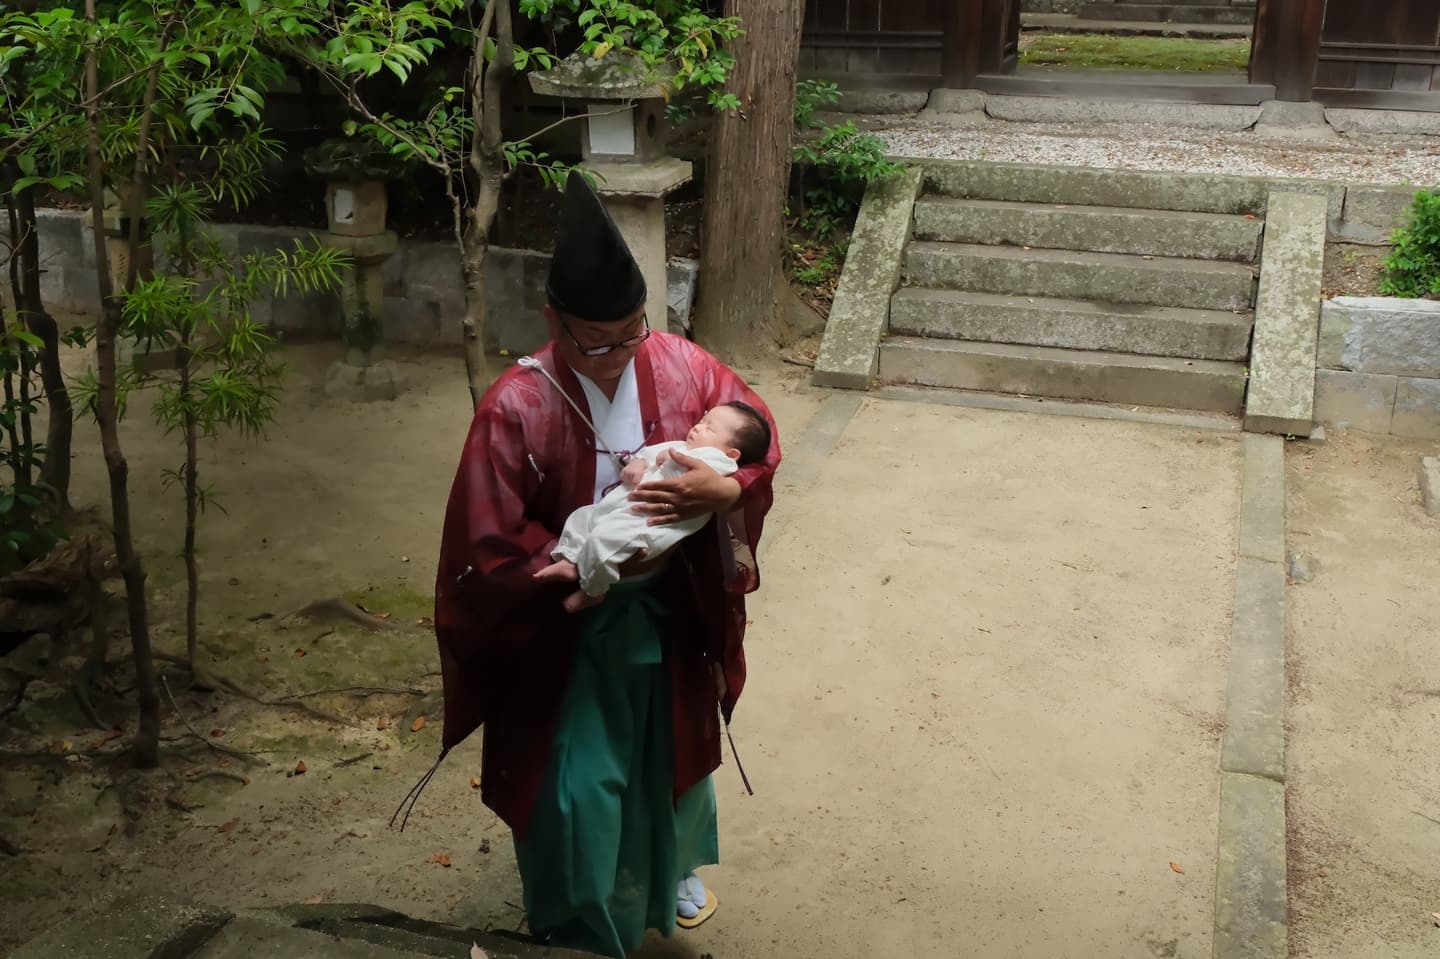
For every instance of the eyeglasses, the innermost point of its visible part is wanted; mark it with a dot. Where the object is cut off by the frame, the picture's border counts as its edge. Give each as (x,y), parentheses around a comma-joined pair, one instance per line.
(635,340)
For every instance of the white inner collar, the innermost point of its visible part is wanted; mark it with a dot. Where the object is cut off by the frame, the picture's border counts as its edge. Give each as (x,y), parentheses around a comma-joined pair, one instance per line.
(618,421)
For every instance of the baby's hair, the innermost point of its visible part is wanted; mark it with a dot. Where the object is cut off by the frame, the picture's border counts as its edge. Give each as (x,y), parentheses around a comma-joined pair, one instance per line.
(752,439)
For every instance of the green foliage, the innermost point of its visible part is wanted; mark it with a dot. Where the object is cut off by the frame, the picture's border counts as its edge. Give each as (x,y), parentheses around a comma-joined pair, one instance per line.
(27,526)
(1175,54)
(839,164)
(810,97)
(1413,267)
(678,42)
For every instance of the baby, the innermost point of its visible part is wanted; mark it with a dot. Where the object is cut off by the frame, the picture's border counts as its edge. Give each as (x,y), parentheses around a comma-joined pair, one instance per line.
(598,539)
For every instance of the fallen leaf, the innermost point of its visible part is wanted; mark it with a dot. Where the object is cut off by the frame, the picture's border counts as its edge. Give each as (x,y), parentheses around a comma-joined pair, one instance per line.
(299,653)
(245,781)
(418,724)
(424,621)
(300,768)
(224,764)
(216,733)
(477,953)
(1175,867)
(441,858)
(382,723)
(229,826)
(315,900)
(381,615)
(474,782)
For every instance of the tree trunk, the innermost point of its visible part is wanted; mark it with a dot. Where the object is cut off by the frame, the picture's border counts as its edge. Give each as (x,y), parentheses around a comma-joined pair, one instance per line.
(743,233)
(25,244)
(192,500)
(487,167)
(147,736)
(55,473)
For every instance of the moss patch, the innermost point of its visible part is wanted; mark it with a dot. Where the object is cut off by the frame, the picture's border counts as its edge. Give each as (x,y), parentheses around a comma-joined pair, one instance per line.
(402,603)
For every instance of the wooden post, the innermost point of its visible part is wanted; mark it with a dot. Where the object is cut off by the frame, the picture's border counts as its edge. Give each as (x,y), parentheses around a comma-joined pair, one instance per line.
(995,19)
(1285,48)
(960,49)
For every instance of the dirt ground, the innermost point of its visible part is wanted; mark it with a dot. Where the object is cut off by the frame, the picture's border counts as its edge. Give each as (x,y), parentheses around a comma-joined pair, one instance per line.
(987,689)
(1363,782)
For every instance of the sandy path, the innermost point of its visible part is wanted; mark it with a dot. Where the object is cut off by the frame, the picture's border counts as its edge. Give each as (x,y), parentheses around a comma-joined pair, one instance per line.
(1364,633)
(988,674)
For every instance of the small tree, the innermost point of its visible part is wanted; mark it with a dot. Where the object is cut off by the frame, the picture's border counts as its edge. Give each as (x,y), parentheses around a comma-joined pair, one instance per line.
(165,92)
(457,132)
(227,374)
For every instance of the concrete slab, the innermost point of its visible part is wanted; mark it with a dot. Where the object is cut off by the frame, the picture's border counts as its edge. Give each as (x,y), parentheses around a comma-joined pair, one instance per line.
(1208,236)
(1071,324)
(1145,189)
(1287,308)
(1417,408)
(133,927)
(1250,906)
(1262,505)
(1064,374)
(1071,274)
(872,271)
(1254,740)
(1360,401)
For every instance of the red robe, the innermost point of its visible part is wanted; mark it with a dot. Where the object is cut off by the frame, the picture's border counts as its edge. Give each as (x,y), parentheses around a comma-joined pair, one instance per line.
(506,646)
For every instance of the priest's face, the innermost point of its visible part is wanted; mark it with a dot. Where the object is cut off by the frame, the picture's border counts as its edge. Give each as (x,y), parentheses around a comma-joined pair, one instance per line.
(574,337)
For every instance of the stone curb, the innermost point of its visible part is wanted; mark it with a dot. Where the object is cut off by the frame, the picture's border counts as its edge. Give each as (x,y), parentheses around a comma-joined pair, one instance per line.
(1287,310)
(1251,917)
(850,347)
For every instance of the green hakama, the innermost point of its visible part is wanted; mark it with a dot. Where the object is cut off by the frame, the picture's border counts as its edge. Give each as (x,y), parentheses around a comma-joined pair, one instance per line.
(608,843)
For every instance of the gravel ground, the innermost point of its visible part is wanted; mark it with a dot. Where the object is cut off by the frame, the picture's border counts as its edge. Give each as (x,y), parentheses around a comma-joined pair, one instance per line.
(1363,158)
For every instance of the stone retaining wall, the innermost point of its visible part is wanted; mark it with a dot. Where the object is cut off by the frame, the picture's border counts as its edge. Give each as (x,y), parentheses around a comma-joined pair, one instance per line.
(424,294)
(1378,366)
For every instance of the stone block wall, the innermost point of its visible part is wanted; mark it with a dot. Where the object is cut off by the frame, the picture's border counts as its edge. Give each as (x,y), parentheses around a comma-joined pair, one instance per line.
(1378,366)
(424,293)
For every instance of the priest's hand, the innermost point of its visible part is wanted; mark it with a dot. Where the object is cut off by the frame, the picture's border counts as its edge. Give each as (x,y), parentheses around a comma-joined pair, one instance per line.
(697,492)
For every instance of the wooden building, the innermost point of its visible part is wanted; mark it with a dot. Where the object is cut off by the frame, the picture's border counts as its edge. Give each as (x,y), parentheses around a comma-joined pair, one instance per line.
(1371,53)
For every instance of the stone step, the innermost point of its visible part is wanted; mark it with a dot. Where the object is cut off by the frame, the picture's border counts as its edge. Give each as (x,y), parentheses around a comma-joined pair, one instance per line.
(1140,189)
(1206,236)
(1168,12)
(1065,374)
(1071,324)
(1069,274)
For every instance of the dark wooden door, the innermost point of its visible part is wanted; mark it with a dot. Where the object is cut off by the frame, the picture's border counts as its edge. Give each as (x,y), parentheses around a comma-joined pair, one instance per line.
(895,37)
(1380,54)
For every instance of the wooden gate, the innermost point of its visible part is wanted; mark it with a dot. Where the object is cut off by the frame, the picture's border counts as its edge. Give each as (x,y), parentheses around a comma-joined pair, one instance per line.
(1371,53)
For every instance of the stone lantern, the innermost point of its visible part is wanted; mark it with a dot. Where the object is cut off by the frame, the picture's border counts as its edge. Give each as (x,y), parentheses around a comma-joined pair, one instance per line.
(623,143)
(355,208)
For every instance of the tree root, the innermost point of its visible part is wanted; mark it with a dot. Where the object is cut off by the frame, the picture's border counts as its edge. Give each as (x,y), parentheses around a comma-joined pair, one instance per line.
(294,701)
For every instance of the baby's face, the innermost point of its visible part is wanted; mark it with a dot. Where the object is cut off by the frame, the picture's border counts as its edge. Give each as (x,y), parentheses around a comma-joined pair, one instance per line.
(717,429)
